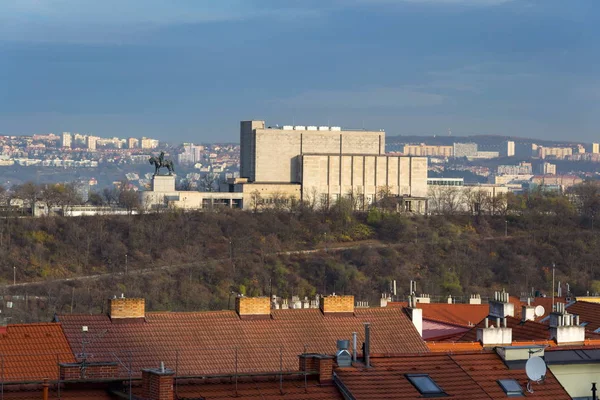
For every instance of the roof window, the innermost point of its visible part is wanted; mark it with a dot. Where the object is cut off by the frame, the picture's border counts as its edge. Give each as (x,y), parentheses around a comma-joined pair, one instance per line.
(511,387)
(425,385)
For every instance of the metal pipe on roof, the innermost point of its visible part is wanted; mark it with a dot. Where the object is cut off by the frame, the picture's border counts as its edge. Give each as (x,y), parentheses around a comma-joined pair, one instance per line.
(367,350)
(354,346)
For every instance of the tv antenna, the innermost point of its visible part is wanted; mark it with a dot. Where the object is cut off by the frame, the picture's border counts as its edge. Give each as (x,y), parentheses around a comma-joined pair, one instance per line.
(83,355)
(536,371)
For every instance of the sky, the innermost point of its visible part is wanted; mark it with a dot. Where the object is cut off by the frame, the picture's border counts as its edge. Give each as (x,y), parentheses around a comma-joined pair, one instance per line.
(190,70)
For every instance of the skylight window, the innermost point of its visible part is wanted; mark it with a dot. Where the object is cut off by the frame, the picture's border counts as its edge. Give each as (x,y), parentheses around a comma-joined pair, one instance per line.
(511,387)
(425,385)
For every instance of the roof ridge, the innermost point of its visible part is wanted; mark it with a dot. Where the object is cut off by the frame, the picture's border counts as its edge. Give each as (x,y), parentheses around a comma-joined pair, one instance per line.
(21,324)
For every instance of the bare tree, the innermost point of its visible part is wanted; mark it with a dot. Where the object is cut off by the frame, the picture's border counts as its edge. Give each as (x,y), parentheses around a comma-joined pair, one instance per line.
(208,183)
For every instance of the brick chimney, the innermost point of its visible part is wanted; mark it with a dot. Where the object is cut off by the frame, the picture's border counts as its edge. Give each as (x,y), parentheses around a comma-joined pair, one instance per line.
(318,363)
(337,305)
(495,336)
(253,307)
(157,383)
(126,309)
(501,306)
(92,371)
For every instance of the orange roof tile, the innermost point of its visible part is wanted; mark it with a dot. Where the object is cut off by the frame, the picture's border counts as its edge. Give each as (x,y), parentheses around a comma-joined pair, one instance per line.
(449,347)
(461,376)
(31,352)
(208,343)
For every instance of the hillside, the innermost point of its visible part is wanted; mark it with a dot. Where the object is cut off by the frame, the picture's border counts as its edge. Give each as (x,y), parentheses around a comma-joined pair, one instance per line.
(195,261)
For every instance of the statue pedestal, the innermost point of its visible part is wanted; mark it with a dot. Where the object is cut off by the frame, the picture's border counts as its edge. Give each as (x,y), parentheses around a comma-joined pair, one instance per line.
(163,183)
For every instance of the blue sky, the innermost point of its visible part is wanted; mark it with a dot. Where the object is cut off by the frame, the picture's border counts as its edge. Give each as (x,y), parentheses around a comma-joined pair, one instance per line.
(190,70)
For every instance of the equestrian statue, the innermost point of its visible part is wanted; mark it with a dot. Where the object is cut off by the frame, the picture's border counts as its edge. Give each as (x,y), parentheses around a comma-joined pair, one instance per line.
(160,162)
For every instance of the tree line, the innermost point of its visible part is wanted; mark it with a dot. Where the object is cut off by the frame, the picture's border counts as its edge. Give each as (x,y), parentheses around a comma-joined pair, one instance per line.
(214,255)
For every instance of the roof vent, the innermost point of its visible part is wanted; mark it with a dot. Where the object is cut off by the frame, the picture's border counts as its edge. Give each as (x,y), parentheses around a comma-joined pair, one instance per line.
(342,356)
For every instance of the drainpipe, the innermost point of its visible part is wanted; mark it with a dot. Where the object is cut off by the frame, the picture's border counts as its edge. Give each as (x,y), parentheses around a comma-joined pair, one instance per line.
(594,391)
(45,389)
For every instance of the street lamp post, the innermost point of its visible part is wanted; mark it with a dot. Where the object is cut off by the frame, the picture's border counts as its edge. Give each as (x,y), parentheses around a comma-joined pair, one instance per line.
(125,263)
(505,228)
(14,275)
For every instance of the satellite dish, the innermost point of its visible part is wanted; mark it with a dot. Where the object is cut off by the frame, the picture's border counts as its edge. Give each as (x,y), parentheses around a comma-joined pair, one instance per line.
(535,369)
(539,311)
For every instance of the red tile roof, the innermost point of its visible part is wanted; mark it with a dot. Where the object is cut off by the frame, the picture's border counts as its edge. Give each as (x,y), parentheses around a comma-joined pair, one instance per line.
(461,376)
(487,368)
(521,331)
(456,314)
(545,302)
(31,352)
(205,343)
(588,312)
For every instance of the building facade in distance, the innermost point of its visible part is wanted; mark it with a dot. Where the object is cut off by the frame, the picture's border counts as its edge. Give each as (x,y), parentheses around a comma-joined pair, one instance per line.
(66,139)
(424,150)
(329,163)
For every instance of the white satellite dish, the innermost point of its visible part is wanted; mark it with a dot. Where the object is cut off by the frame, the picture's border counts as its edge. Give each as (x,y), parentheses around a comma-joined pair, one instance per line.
(539,311)
(535,369)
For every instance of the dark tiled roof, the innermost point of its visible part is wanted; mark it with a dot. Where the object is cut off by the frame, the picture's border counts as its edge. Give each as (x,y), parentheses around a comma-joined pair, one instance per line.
(461,376)
(588,312)
(208,343)
(31,352)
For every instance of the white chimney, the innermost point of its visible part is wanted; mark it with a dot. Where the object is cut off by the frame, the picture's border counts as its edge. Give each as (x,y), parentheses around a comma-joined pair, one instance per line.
(500,306)
(528,312)
(557,314)
(449,299)
(415,314)
(475,299)
(495,336)
(567,330)
(385,299)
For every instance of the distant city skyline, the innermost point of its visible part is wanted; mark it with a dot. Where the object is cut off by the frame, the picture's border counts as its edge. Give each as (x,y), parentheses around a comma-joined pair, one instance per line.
(189,71)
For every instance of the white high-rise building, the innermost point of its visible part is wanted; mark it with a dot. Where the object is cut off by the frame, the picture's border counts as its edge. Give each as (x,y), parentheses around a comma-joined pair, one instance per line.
(66,139)
(508,148)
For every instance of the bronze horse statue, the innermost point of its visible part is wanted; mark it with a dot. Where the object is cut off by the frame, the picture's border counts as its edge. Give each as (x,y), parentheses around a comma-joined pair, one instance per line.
(160,162)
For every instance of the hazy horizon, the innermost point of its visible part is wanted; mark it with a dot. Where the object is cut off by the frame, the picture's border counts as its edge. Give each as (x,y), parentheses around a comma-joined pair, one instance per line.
(191,70)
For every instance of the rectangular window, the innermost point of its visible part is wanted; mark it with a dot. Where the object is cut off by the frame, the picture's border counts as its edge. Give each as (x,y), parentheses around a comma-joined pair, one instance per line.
(511,387)
(425,385)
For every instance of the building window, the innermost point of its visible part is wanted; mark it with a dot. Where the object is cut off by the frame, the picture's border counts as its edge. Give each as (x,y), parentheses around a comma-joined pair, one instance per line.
(425,385)
(511,387)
